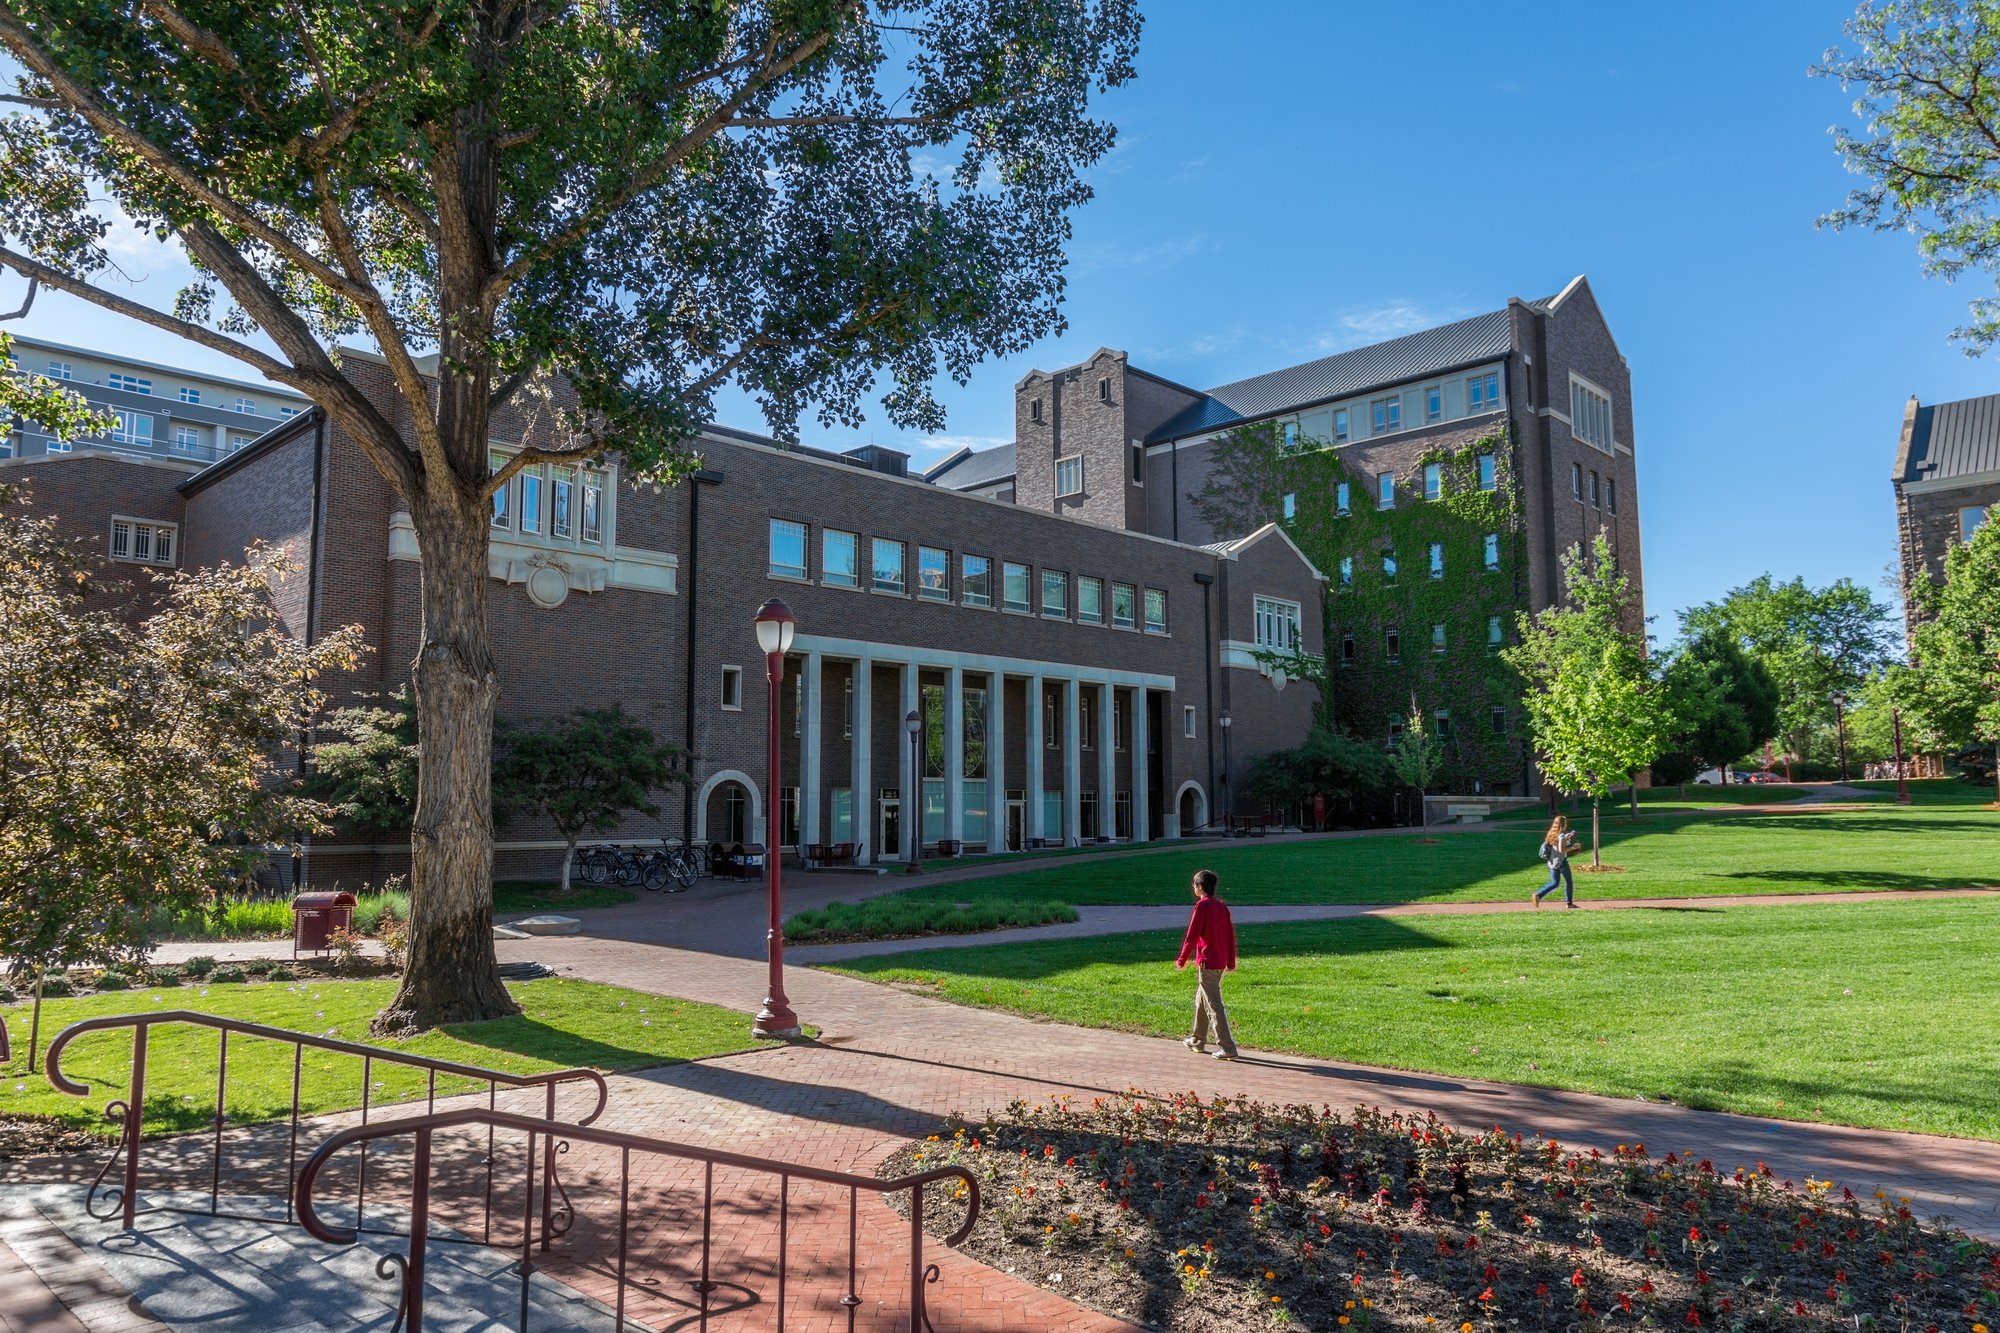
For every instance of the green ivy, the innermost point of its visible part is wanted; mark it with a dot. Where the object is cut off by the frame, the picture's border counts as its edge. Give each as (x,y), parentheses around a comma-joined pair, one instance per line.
(1255,471)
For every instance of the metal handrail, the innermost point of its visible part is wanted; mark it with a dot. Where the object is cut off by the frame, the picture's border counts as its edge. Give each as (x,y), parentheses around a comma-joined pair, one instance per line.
(410,1268)
(130,1115)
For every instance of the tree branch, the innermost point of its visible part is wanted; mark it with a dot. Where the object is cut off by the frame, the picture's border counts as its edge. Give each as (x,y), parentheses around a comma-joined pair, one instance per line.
(534,454)
(27,302)
(38,103)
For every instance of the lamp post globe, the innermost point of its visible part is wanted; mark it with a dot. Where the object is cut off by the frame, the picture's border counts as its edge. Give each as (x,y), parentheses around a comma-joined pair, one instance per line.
(913,726)
(775,626)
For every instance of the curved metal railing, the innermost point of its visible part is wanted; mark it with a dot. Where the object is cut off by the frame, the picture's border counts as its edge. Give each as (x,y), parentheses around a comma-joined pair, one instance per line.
(408,1269)
(129,1115)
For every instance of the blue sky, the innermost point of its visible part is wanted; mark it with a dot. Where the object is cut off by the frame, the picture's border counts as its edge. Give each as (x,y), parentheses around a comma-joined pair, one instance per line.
(1305,178)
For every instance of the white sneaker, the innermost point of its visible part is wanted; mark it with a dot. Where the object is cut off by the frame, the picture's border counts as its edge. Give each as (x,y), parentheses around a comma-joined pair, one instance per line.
(1193,1045)
(1222,1055)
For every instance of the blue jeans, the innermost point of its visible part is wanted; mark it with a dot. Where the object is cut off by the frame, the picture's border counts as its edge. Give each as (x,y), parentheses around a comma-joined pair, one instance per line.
(1559,873)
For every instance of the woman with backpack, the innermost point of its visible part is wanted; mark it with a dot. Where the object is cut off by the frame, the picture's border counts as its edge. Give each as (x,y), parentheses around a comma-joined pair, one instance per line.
(1557,844)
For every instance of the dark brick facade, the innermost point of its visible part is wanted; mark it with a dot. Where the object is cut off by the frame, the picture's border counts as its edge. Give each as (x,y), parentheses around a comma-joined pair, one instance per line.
(1947,463)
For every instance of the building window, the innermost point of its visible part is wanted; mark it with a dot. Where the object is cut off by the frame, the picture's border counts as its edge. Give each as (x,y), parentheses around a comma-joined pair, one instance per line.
(59,370)
(1035,409)
(888,566)
(240,442)
(1388,566)
(1433,403)
(1055,594)
(593,505)
(1187,721)
(1385,490)
(1487,478)
(288,412)
(562,501)
(933,574)
(798,702)
(788,814)
(788,549)
(1069,475)
(142,542)
(1433,481)
(247,406)
(130,383)
(1121,815)
(1277,624)
(1347,651)
(1342,494)
(1387,414)
(975,580)
(1156,611)
(1086,814)
(1104,391)
(531,502)
(1121,723)
(847,707)
(1090,600)
(1589,414)
(190,395)
(1576,480)
(1437,560)
(503,511)
(732,689)
(1339,425)
(839,558)
(1610,496)
(1392,644)
(1596,496)
(1437,636)
(1291,429)
(1052,720)
(1444,724)
(1497,717)
(1290,506)
(1086,719)
(1492,552)
(1124,606)
(1014,586)
(1494,633)
(1395,731)
(1970,520)
(187,438)
(1138,465)
(1482,393)
(1347,571)
(133,428)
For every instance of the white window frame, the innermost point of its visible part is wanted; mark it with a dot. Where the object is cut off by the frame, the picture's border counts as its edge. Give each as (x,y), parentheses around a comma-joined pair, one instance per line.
(941,593)
(876,583)
(131,528)
(126,430)
(1347,571)
(1008,569)
(1492,552)
(1278,624)
(1058,580)
(567,529)
(966,594)
(1496,633)
(138,384)
(1489,472)
(1436,556)
(1433,403)
(1433,481)
(1085,617)
(1385,490)
(247,406)
(827,574)
(1343,496)
(1160,626)
(1437,636)
(240,441)
(1290,507)
(1131,620)
(1385,415)
(732,688)
(60,370)
(1340,425)
(191,396)
(1591,421)
(1069,476)
(789,527)
(187,438)
(1482,392)
(1187,721)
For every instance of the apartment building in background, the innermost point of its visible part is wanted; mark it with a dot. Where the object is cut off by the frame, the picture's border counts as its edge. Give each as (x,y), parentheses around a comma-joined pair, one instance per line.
(1946,481)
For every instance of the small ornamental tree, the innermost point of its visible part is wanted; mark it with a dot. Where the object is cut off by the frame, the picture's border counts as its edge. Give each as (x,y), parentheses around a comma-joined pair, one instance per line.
(1328,764)
(1955,651)
(1723,704)
(1416,759)
(585,771)
(1592,710)
(366,769)
(142,769)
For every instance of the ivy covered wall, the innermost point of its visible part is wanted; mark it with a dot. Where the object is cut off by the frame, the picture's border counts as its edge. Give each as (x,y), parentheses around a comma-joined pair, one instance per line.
(1441,582)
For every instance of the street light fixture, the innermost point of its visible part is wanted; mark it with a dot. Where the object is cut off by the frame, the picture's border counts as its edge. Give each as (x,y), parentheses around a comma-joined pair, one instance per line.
(1228,806)
(913,723)
(775,627)
(1902,769)
(1840,728)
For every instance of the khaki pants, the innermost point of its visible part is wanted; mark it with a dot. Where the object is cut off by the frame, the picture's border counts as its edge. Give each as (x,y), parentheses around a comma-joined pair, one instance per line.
(1208,1008)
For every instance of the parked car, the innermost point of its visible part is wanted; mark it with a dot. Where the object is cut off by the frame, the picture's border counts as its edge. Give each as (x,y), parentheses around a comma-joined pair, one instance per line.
(1712,777)
(1763,778)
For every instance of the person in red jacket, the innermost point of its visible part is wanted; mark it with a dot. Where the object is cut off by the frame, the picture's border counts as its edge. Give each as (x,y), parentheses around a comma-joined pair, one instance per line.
(1211,943)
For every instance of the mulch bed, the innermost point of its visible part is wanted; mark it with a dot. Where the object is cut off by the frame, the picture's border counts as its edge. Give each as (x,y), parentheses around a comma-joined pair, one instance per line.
(1200,1216)
(39,1136)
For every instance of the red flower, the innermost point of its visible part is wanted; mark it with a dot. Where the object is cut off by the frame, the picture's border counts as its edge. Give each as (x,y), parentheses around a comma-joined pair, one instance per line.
(1799,1309)
(1486,1295)
(1694,1316)
(1694,1233)
(1625,1302)
(1577,1279)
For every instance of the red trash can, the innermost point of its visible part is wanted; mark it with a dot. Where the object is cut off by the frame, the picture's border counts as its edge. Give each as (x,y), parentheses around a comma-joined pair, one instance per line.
(315,916)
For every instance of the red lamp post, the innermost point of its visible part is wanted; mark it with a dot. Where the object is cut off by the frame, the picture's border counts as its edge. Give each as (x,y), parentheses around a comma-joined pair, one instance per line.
(775,628)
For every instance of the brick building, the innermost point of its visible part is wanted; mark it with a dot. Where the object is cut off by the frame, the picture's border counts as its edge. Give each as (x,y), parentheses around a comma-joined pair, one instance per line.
(1946,479)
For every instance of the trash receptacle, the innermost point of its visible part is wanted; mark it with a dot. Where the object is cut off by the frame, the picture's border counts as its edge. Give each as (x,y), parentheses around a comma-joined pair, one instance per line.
(751,863)
(315,916)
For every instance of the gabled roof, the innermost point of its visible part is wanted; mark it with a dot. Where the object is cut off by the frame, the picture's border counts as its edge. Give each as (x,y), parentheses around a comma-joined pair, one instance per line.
(967,470)
(1229,550)
(1949,440)
(1412,356)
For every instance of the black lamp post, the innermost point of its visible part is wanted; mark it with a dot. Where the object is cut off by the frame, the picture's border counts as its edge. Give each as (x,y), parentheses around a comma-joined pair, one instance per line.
(1902,769)
(1228,806)
(913,723)
(775,628)
(1840,728)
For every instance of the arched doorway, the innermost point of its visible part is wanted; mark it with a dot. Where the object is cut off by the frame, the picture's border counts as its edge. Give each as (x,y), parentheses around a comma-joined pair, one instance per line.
(729,810)
(1193,807)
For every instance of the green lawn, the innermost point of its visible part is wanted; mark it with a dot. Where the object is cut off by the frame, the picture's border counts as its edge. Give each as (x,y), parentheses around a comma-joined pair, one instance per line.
(517,895)
(1876,1014)
(1944,841)
(564,1024)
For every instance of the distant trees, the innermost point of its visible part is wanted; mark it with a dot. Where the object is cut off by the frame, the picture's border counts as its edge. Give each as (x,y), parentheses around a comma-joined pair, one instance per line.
(1722,704)
(584,771)
(1952,685)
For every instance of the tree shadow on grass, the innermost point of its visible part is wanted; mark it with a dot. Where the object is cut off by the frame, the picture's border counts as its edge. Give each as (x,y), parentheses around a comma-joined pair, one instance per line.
(1856,879)
(1728,1082)
(532,1039)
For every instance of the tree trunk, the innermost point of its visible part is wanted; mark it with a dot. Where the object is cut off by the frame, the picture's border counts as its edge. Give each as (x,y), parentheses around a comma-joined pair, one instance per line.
(1596,837)
(1423,810)
(569,858)
(452,974)
(35,1023)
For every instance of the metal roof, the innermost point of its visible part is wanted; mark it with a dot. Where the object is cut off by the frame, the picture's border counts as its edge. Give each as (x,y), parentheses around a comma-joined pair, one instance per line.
(974,470)
(1955,440)
(1409,357)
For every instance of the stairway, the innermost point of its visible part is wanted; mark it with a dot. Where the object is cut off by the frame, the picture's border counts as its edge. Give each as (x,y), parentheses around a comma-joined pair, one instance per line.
(63,1271)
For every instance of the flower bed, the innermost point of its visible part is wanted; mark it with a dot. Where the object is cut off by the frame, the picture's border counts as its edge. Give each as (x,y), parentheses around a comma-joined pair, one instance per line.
(896,917)
(1202,1216)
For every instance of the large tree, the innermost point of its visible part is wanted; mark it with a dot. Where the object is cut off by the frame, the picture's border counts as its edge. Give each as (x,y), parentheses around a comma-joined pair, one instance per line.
(1954,675)
(1594,712)
(1723,702)
(1812,641)
(1926,79)
(596,215)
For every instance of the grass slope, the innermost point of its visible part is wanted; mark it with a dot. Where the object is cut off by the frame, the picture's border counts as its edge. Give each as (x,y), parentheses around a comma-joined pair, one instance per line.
(563,1024)
(1943,841)
(1873,1014)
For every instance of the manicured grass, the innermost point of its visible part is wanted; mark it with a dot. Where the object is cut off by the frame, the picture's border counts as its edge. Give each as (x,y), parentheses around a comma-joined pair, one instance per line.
(902,918)
(515,895)
(1945,841)
(1871,1014)
(564,1024)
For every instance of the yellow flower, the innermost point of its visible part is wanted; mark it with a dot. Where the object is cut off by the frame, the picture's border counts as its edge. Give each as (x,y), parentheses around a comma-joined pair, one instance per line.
(1348,1306)
(1367,1304)
(1269,1275)
(1275,1300)
(1187,1268)
(1465,1327)
(1343,1321)
(1979,1328)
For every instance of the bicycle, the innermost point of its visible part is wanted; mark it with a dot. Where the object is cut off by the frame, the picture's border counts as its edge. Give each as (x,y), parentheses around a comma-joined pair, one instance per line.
(673,867)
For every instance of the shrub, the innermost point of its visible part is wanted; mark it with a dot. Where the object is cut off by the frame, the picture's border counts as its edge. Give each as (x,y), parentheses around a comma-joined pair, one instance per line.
(896,917)
(229,975)
(198,966)
(280,972)
(260,967)
(164,977)
(395,937)
(372,909)
(113,981)
(58,986)
(7,994)
(345,946)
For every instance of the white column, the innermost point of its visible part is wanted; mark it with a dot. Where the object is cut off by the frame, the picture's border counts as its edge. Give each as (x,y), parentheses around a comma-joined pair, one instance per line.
(912,797)
(954,753)
(862,800)
(1072,764)
(1031,789)
(809,794)
(996,761)
(1107,762)
(1142,805)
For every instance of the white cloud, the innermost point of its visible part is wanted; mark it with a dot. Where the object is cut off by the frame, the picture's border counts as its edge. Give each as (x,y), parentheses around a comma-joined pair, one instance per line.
(1198,348)
(944,444)
(139,254)
(1361,325)
(1146,258)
